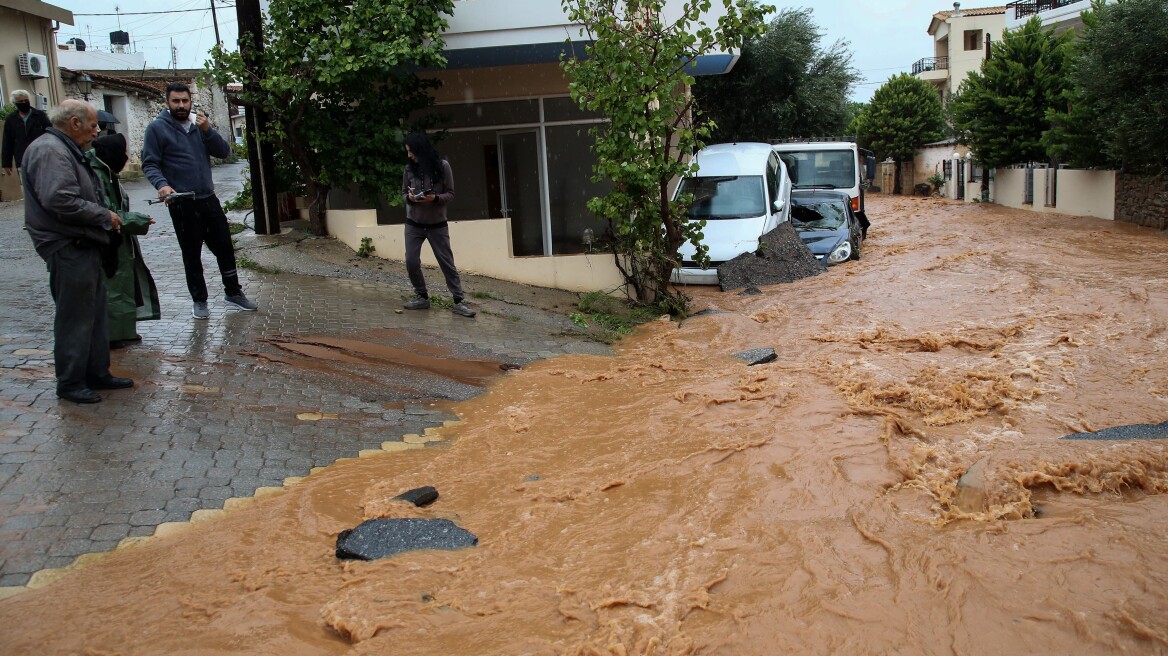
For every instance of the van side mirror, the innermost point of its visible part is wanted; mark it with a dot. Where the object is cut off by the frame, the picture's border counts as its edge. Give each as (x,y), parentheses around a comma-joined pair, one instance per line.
(870,167)
(779,204)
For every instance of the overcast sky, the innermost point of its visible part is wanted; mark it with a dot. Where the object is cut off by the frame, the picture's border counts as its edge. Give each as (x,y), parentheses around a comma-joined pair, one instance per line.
(886,36)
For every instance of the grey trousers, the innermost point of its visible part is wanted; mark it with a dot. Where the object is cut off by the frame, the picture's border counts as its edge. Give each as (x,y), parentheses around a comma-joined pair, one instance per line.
(439,243)
(80,335)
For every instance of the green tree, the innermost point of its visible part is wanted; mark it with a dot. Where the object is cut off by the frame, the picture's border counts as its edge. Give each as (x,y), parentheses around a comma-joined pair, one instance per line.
(1000,111)
(337,79)
(636,73)
(905,113)
(785,84)
(1116,111)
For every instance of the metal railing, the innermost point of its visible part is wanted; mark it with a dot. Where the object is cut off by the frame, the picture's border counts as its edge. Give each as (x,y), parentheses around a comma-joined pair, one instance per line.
(1024,8)
(930,64)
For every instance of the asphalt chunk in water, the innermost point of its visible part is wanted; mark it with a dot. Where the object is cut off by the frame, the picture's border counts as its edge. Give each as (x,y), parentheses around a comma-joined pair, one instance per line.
(379,538)
(1129,432)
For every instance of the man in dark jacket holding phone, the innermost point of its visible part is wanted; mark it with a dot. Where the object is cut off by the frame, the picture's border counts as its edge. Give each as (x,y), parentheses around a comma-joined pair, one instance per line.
(176,158)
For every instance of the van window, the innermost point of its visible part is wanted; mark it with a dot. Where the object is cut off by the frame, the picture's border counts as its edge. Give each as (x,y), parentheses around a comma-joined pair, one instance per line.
(725,197)
(821,169)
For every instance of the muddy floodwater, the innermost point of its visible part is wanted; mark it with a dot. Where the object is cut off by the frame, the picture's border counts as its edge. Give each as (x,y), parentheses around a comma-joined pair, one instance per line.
(672,500)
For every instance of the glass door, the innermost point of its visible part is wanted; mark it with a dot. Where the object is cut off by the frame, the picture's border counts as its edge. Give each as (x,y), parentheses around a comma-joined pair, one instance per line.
(519,178)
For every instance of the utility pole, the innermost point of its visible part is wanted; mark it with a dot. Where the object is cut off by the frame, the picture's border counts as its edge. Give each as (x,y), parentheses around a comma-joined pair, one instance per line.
(259,151)
(985,170)
(214,19)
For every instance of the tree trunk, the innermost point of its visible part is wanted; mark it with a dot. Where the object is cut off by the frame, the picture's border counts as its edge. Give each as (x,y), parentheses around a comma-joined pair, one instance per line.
(317,196)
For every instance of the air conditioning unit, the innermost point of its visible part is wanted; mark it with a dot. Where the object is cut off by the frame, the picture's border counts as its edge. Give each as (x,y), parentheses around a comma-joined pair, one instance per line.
(33,65)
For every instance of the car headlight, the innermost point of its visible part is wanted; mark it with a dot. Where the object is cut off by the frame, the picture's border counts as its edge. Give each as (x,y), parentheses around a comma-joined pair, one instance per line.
(841,253)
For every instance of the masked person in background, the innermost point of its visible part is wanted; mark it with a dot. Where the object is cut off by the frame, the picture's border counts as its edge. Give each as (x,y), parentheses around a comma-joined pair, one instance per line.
(132,295)
(20,129)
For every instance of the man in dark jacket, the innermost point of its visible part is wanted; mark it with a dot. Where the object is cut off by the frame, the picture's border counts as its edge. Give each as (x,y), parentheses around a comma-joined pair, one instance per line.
(20,128)
(68,225)
(175,158)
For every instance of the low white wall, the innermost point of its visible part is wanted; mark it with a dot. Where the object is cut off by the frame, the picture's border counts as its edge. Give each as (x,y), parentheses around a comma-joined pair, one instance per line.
(1009,187)
(1079,192)
(1086,193)
(483,248)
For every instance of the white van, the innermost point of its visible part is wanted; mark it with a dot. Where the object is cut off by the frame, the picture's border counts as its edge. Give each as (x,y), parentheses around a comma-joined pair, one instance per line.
(742,191)
(832,163)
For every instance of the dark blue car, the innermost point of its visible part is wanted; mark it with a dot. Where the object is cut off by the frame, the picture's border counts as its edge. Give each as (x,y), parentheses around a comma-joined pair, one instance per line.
(827,225)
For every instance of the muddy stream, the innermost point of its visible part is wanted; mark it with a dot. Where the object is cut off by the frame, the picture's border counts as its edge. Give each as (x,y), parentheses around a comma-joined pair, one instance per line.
(671,500)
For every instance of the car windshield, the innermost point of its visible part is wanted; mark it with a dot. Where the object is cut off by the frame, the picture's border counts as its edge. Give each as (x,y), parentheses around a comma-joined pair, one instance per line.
(725,197)
(818,215)
(821,169)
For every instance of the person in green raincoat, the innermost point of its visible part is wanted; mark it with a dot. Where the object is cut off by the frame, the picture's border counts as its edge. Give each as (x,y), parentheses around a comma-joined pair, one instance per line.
(133,297)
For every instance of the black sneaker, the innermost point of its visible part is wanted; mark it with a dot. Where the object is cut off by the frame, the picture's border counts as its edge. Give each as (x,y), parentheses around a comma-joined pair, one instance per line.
(463,310)
(240,301)
(417,303)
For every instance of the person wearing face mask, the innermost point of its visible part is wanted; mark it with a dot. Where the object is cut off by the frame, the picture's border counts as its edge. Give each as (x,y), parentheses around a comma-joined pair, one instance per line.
(20,129)
(131,293)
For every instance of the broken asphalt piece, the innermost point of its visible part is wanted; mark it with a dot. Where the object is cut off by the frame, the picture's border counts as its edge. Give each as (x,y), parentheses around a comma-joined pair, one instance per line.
(757,356)
(507,366)
(378,538)
(781,257)
(1130,432)
(751,291)
(419,496)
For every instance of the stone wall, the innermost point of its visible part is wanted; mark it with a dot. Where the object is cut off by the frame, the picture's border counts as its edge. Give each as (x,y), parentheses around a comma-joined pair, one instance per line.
(1142,200)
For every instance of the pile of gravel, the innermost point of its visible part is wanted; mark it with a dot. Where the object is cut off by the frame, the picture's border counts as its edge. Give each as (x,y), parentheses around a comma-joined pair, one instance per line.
(781,257)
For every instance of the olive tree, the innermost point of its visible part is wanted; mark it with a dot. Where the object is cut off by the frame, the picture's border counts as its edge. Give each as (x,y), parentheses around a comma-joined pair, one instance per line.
(637,72)
(339,81)
(905,114)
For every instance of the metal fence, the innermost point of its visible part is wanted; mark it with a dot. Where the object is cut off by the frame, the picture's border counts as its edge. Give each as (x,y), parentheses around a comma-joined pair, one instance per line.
(930,64)
(1024,8)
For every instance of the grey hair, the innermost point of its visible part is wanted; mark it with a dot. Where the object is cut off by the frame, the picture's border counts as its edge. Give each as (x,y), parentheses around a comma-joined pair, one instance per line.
(60,115)
(19,93)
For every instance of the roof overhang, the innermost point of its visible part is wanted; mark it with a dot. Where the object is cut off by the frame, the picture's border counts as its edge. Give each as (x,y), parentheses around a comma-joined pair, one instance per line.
(40,9)
(550,53)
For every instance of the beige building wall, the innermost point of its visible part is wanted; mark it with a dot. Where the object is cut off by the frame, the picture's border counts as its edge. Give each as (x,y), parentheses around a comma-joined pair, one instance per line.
(1077,192)
(962,61)
(27,26)
(483,248)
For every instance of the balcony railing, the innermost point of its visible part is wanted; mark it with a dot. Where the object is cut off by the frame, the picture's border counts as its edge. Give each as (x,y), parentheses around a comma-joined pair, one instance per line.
(1024,8)
(930,64)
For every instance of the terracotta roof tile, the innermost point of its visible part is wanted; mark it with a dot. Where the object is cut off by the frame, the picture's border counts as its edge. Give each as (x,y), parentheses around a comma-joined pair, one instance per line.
(975,11)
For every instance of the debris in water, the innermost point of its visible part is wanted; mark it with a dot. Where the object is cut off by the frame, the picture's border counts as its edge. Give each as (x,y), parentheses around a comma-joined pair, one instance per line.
(781,257)
(378,538)
(757,356)
(419,496)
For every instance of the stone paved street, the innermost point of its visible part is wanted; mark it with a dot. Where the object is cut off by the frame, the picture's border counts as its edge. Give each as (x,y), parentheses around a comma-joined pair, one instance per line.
(219,406)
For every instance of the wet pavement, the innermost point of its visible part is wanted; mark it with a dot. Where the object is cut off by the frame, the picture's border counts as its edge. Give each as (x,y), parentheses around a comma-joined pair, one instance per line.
(328,367)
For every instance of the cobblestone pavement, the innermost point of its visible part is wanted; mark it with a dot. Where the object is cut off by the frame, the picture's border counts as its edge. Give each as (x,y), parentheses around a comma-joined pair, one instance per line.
(217,410)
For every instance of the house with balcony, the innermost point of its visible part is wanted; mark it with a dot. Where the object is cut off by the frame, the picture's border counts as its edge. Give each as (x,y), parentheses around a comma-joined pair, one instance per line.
(1060,15)
(959,45)
(519,148)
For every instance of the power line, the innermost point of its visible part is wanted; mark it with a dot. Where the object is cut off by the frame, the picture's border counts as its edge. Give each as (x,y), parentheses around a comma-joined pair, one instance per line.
(144,13)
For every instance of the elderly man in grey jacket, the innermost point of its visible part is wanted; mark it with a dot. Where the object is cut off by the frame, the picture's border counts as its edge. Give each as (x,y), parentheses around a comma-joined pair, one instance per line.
(68,225)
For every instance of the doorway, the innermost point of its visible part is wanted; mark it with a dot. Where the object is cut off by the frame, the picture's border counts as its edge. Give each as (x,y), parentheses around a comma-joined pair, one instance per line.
(520,171)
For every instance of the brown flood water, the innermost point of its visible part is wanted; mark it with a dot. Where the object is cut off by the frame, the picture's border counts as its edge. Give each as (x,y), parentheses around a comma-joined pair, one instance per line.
(670,500)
